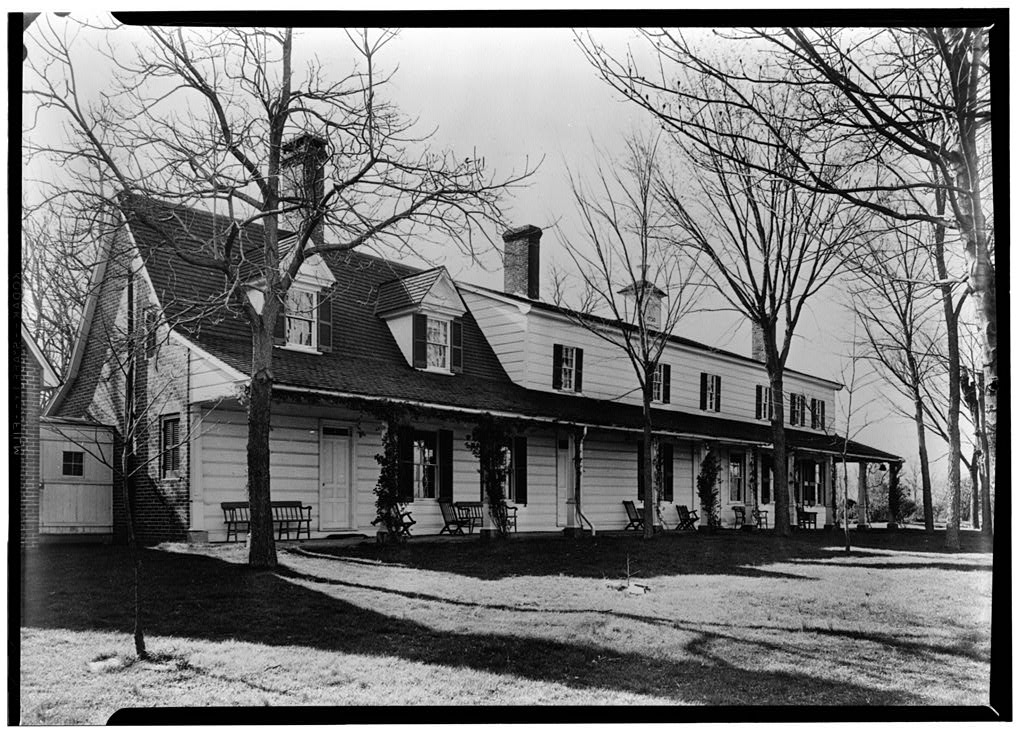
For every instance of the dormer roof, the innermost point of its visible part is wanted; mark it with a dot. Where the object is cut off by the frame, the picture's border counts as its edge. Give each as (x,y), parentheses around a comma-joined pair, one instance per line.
(429,288)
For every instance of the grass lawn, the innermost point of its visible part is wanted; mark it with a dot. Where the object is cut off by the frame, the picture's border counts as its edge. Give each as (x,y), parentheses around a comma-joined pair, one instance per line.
(730,619)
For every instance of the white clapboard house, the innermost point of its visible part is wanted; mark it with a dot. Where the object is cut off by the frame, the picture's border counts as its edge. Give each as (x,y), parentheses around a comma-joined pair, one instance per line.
(360,332)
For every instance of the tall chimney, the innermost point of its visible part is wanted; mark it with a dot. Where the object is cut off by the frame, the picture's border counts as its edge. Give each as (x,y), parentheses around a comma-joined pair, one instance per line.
(522,261)
(302,175)
(756,342)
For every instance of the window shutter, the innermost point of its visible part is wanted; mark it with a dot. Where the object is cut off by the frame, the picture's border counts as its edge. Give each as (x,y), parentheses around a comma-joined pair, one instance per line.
(456,345)
(821,418)
(556,367)
(759,401)
(718,393)
(279,339)
(703,390)
(405,472)
(814,412)
(803,410)
(324,319)
(579,369)
(419,340)
(793,415)
(639,470)
(667,472)
(444,463)
(519,468)
(666,383)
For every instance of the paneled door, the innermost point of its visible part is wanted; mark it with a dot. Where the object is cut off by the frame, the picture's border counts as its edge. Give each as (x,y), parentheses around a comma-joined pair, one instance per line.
(335,478)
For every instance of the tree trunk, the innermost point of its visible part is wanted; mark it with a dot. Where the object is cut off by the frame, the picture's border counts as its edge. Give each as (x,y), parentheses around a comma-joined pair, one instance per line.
(780,464)
(647,475)
(926,477)
(262,552)
(953,379)
(974,490)
(986,493)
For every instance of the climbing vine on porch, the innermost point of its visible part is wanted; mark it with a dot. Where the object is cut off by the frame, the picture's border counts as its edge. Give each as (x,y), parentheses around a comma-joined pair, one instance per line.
(707,487)
(387,490)
(488,442)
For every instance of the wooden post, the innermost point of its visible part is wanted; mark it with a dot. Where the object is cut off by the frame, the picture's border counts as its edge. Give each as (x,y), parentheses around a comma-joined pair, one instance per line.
(862,496)
(793,475)
(894,495)
(826,477)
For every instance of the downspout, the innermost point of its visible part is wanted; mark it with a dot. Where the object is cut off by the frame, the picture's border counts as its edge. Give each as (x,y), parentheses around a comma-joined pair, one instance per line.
(581,517)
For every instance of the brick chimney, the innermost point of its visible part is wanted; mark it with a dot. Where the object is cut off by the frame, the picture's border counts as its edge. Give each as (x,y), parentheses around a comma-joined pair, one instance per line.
(756,342)
(522,261)
(302,175)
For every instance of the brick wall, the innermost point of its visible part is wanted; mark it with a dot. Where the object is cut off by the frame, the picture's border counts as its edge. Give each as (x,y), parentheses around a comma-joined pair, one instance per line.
(31,382)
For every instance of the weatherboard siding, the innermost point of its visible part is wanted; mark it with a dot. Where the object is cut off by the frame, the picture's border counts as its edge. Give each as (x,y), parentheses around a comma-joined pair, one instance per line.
(504,327)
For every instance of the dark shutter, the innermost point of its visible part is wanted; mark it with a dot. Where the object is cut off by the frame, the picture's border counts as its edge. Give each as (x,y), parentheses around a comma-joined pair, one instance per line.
(279,328)
(579,369)
(419,340)
(666,383)
(793,415)
(703,390)
(640,470)
(759,402)
(456,345)
(718,393)
(324,319)
(444,464)
(667,472)
(803,410)
(821,416)
(519,468)
(814,412)
(556,367)
(405,473)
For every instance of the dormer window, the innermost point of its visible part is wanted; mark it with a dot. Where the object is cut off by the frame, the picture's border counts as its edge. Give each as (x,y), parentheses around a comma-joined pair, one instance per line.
(437,343)
(306,322)
(428,306)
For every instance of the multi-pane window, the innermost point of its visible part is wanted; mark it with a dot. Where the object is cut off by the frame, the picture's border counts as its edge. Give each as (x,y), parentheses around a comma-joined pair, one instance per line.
(661,383)
(797,409)
(767,479)
(73,463)
(736,476)
(817,413)
(437,343)
(765,405)
(568,368)
(300,317)
(170,451)
(710,392)
(424,466)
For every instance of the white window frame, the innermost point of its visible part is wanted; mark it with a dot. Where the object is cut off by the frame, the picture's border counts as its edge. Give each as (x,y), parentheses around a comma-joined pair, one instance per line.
(710,392)
(170,475)
(447,346)
(314,318)
(63,463)
(568,366)
(742,475)
(767,404)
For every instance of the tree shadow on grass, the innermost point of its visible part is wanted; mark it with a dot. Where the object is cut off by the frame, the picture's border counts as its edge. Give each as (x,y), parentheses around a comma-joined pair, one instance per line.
(198,597)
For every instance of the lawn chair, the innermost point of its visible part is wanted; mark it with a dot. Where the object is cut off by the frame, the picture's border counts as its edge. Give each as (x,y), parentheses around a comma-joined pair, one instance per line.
(453,523)
(636,519)
(740,517)
(688,518)
(507,514)
(761,518)
(401,517)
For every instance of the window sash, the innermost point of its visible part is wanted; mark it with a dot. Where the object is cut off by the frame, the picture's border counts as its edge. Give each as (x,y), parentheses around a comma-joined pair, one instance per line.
(568,368)
(657,384)
(73,463)
(170,447)
(424,467)
(437,343)
(736,477)
(300,318)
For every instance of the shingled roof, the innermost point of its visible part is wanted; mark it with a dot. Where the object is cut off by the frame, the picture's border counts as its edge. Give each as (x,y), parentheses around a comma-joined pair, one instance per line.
(368,364)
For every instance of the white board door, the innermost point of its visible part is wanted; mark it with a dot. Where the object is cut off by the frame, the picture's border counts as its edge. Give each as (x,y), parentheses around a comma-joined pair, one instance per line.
(564,480)
(335,476)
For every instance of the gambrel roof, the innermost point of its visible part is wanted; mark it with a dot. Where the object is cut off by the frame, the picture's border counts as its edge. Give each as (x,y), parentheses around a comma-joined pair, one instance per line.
(365,363)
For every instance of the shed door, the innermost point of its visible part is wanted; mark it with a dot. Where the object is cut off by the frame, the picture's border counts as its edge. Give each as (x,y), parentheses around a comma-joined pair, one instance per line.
(335,502)
(76,508)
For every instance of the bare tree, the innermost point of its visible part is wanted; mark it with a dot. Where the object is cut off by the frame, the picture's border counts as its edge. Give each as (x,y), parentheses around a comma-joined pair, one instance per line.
(204,117)
(911,107)
(767,245)
(897,311)
(627,267)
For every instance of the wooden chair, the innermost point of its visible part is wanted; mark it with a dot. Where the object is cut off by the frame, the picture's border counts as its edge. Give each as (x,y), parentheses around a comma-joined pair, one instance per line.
(740,516)
(636,519)
(688,518)
(507,513)
(453,522)
(401,517)
(761,518)
(236,515)
(471,511)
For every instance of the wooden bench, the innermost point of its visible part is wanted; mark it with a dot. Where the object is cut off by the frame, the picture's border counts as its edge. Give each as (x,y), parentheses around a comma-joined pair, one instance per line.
(285,514)
(472,512)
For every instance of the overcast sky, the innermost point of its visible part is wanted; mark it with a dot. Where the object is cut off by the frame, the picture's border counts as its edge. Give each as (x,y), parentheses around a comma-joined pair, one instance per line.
(518,95)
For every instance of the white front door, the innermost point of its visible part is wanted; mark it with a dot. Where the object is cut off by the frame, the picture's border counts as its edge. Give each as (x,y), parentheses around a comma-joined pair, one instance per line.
(564,481)
(335,478)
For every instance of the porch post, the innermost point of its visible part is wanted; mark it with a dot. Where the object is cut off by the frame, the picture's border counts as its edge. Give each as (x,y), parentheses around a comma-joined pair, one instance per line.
(826,475)
(751,486)
(862,496)
(196,527)
(793,476)
(574,483)
(894,495)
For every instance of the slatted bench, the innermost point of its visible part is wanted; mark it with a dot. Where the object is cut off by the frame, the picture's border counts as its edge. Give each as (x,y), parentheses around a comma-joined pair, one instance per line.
(287,515)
